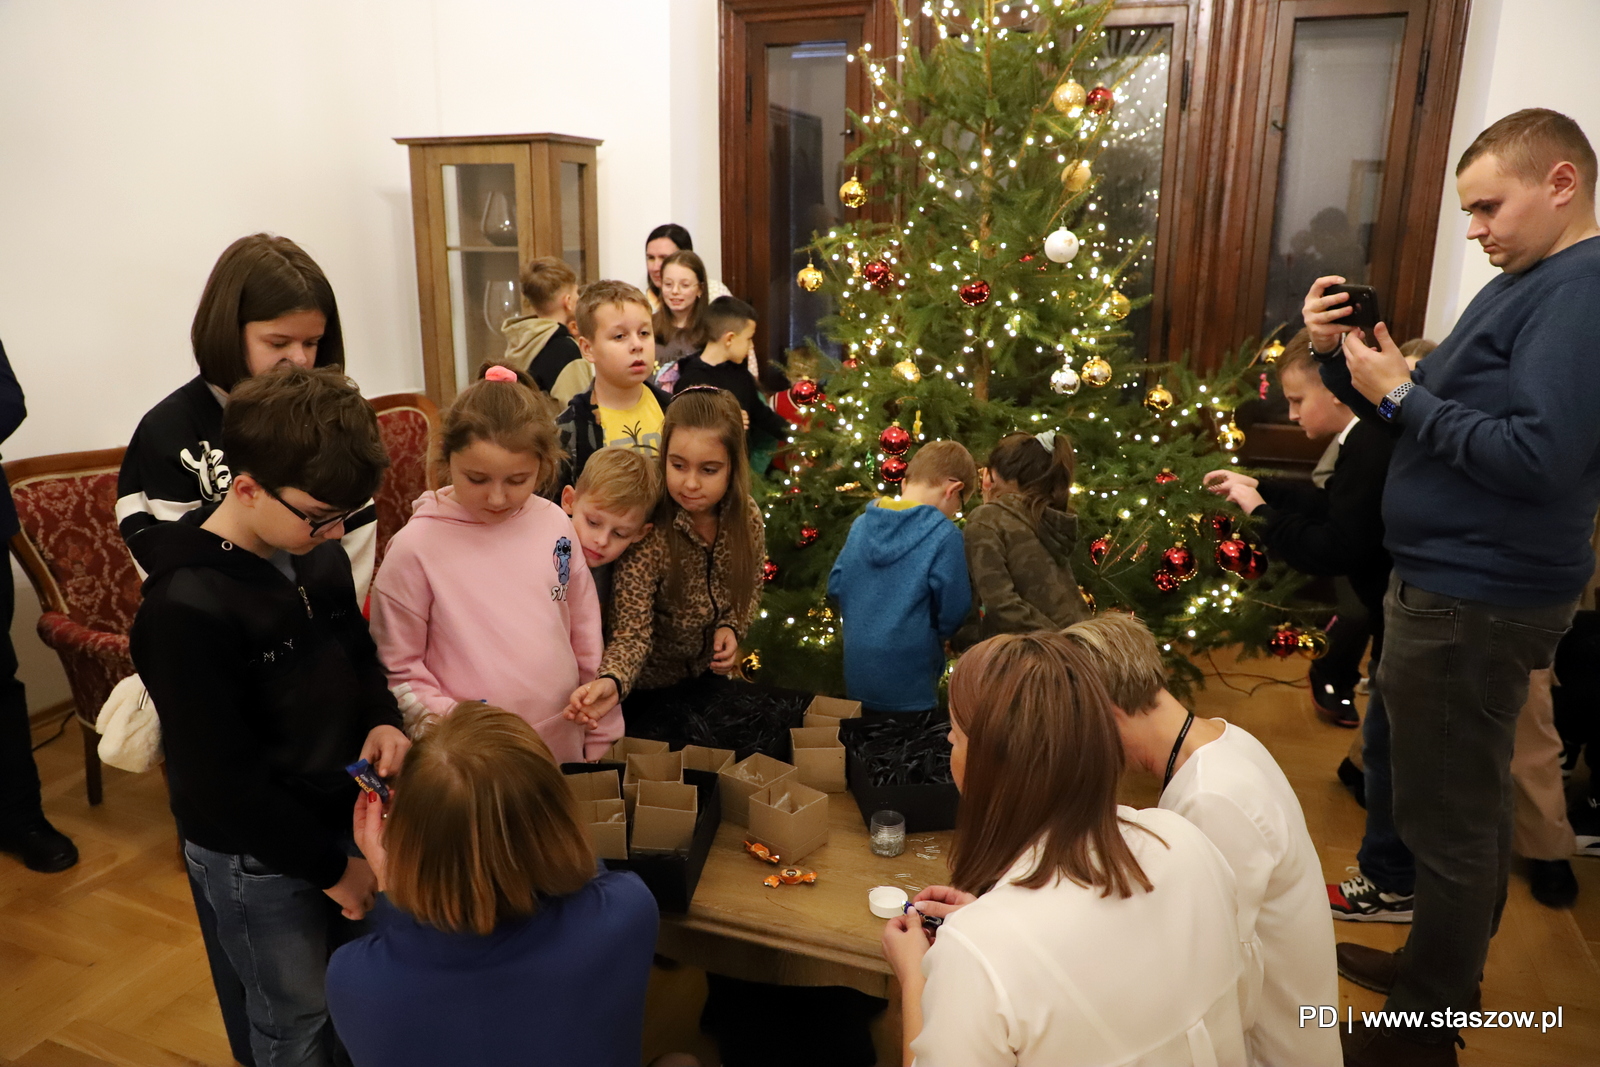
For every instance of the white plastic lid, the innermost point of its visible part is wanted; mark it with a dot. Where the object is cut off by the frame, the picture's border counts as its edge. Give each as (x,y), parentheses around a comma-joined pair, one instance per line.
(887,901)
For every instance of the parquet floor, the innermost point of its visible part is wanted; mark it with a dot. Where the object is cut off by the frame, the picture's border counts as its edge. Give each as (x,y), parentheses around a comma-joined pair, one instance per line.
(103,964)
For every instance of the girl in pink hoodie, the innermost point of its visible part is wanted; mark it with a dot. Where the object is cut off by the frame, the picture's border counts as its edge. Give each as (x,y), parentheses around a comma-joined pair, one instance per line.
(484,595)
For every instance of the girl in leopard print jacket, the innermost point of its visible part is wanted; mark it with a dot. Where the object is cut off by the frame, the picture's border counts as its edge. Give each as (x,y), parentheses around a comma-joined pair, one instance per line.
(685,595)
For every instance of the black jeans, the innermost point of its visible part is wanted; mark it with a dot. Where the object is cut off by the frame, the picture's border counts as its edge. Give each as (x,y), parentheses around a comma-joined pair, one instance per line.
(1454,677)
(20,811)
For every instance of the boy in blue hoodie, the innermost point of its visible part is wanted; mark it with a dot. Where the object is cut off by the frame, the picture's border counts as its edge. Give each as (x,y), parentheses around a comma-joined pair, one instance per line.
(901,583)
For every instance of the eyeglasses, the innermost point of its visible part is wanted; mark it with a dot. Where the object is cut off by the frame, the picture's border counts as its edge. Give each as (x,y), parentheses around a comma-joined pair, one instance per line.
(317,525)
(679,287)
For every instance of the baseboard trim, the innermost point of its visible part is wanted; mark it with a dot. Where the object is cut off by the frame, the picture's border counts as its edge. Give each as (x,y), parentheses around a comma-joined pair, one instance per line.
(48,716)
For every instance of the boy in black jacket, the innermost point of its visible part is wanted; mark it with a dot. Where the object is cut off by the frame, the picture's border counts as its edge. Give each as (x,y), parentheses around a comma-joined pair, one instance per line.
(731,325)
(252,645)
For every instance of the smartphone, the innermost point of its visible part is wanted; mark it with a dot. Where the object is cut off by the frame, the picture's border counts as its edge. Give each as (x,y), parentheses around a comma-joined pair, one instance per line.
(1364,298)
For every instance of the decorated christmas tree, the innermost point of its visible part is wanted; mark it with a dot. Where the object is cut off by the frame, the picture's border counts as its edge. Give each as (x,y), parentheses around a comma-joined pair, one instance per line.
(993,282)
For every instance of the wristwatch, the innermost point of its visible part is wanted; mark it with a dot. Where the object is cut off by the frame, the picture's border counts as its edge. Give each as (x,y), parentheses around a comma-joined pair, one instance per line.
(1324,357)
(1389,406)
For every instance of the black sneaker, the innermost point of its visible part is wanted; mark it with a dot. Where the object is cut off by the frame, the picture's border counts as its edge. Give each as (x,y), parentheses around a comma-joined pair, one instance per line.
(44,849)
(1585,819)
(1553,883)
(1358,900)
(1335,705)
(1354,780)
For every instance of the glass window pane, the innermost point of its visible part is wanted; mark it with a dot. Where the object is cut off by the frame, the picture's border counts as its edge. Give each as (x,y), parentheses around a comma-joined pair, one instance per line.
(572,249)
(1336,135)
(480,216)
(806,145)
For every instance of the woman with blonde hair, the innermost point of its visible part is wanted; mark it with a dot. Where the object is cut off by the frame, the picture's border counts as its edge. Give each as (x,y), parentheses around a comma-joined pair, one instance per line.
(1076,932)
(498,941)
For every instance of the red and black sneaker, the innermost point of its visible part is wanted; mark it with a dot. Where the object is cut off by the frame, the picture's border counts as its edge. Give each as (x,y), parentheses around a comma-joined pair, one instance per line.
(1358,900)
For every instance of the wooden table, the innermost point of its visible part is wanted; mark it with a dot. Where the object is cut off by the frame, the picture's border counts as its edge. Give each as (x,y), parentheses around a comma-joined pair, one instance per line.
(821,934)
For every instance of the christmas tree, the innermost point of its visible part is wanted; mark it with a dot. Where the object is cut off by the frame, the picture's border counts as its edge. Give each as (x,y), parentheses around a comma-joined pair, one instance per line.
(994,284)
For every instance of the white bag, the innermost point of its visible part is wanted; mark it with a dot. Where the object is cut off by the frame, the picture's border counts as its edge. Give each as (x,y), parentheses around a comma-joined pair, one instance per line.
(130,733)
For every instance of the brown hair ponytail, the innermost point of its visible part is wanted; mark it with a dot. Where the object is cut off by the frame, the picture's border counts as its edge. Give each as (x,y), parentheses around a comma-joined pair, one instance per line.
(1043,475)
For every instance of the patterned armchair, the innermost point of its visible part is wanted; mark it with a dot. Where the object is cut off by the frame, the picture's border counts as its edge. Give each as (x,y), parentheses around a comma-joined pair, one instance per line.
(405,422)
(87,585)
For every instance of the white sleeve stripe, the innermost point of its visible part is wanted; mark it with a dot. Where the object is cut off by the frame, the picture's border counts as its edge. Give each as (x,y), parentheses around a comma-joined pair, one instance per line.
(160,510)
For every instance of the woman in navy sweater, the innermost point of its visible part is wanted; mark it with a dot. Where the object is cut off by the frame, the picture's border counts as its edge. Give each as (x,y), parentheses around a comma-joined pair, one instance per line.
(498,942)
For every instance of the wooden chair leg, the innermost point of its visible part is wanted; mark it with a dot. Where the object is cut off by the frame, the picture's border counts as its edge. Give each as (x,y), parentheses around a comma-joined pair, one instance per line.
(91,762)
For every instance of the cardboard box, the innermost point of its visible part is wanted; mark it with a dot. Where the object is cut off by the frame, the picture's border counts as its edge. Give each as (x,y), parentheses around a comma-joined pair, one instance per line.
(660,767)
(663,819)
(819,758)
(711,760)
(790,818)
(828,711)
(746,777)
(632,746)
(597,786)
(926,807)
(672,879)
(606,822)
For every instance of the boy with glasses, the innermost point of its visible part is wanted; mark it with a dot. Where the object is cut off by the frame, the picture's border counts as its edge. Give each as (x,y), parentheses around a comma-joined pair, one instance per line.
(251,642)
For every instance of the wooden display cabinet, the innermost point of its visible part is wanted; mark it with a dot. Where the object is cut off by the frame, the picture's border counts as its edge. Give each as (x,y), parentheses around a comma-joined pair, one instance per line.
(481,207)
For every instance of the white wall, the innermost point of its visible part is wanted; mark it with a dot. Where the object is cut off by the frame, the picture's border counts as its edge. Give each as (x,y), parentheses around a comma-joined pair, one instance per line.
(138,139)
(1520,53)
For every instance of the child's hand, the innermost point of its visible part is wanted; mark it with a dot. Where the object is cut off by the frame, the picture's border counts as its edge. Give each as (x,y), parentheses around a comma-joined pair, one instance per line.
(367,829)
(724,650)
(355,890)
(1238,488)
(745,415)
(591,702)
(385,748)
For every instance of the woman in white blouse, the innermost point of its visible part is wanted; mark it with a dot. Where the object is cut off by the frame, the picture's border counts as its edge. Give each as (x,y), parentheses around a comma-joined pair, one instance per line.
(1077,932)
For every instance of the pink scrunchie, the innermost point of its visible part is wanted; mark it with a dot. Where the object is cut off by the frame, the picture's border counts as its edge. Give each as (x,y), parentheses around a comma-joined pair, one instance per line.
(499,374)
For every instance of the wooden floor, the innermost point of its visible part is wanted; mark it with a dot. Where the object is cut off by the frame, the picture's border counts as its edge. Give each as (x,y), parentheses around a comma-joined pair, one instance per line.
(103,964)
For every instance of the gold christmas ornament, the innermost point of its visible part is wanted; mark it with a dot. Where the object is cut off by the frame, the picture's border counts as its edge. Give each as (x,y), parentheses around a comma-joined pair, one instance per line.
(973,244)
(1313,644)
(1272,353)
(916,424)
(1158,399)
(1076,176)
(1065,380)
(1230,437)
(907,372)
(1088,599)
(1068,95)
(809,278)
(751,663)
(853,193)
(1096,371)
(1118,306)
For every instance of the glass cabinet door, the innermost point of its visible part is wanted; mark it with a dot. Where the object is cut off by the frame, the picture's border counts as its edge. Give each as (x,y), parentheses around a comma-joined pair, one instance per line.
(481,231)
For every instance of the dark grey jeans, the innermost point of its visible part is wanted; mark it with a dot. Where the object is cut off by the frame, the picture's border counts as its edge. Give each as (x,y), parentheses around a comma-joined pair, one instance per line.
(1454,677)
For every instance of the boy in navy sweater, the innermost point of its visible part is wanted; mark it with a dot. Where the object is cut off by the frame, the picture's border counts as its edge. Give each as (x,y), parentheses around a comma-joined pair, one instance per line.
(901,584)
(1488,510)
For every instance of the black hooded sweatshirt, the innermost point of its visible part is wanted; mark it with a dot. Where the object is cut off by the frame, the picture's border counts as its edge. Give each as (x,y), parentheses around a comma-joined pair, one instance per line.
(265,687)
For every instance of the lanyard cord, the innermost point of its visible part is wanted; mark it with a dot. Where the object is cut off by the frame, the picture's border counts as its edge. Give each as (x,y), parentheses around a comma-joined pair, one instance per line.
(1172,760)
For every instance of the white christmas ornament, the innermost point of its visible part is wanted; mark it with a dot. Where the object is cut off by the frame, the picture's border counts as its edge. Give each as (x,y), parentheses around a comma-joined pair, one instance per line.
(1065,381)
(1061,246)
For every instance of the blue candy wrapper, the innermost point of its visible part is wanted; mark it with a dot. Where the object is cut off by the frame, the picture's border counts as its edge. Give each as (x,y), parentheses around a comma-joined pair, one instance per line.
(361,770)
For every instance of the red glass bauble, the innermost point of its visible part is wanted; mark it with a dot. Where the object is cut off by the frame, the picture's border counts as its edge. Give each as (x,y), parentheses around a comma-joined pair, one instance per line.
(851,363)
(1099,100)
(877,274)
(1166,477)
(1223,526)
(1165,580)
(894,441)
(809,535)
(1026,258)
(1284,642)
(974,293)
(1255,565)
(1232,554)
(769,570)
(1180,561)
(893,469)
(1098,549)
(804,391)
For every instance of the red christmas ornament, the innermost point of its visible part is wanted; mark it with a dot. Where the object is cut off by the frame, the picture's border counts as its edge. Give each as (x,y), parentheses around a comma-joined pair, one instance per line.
(794,490)
(894,441)
(1099,100)
(1098,549)
(877,274)
(769,570)
(1284,642)
(1180,561)
(1166,477)
(808,536)
(893,469)
(1223,526)
(1232,554)
(1165,580)
(851,363)
(1027,258)
(974,293)
(1255,565)
(804,391)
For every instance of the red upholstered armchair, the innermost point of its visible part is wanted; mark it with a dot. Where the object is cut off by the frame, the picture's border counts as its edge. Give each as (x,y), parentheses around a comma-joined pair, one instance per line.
(406,422)
(87,585)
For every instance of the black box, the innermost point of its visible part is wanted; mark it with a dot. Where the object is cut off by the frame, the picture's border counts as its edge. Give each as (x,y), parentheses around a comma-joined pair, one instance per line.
(926,807)
(671,879)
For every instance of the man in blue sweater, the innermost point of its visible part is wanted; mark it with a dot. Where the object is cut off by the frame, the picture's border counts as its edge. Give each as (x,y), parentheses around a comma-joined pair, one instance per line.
(901,583)
(1489,509)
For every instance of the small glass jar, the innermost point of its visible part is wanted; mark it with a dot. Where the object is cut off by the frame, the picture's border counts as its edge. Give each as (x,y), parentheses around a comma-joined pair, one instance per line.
(888,833)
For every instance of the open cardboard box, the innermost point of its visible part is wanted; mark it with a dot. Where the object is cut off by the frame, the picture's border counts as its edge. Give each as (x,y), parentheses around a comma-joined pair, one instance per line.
(819,758)
(700,758)
(601,811)
(749,776)
(663,819)
(624,747)
(659,767)
(790,818)
(829,711)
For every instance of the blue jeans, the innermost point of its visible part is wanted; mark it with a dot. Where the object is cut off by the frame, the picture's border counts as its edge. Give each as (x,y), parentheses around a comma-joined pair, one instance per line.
(277,933)
(1384,858)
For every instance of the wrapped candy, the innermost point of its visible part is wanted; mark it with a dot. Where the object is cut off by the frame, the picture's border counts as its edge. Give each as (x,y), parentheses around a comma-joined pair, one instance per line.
(760,851)
(790,876)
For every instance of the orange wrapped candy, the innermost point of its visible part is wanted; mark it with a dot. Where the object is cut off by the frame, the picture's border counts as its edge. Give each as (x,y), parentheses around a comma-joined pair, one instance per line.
(760,852)
(789,876)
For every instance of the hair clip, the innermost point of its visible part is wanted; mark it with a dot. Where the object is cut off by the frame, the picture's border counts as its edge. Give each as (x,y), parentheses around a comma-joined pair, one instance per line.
(1048,439)
(698,389)
(498,373)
